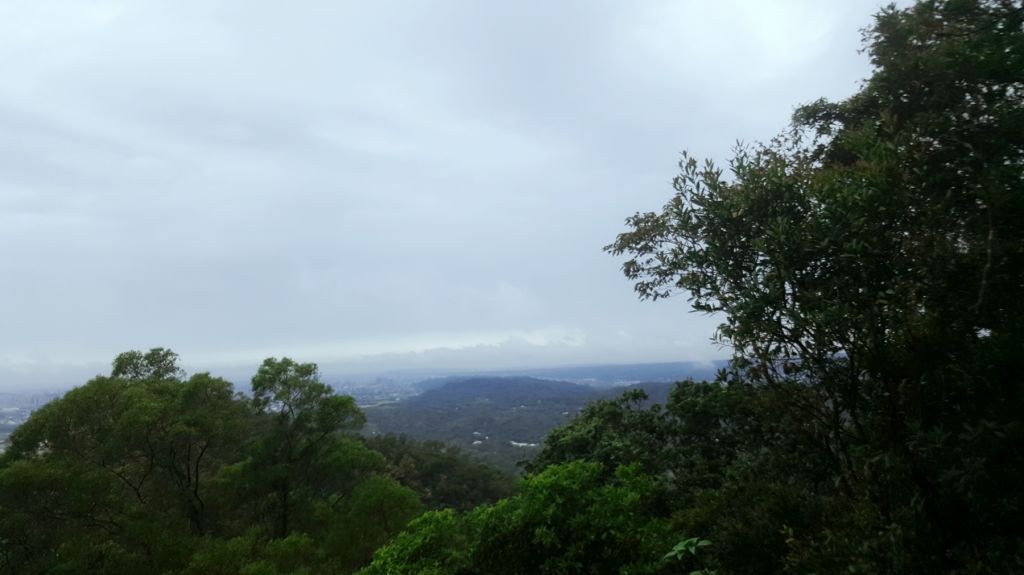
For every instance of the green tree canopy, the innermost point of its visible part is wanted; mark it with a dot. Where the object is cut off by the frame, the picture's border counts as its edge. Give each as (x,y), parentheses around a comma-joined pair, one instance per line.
(147,471)
(299,451)
(870,264)
(157,363)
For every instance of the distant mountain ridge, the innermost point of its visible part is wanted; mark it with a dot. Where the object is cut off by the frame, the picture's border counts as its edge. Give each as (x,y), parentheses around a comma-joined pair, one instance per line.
(624,374)
(449,390)
(500,419)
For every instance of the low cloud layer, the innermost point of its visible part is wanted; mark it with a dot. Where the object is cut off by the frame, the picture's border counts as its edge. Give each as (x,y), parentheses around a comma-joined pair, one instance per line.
(373,185)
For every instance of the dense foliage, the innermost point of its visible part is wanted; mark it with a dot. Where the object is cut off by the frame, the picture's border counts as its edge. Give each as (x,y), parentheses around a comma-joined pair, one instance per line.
(147,471)
(442,475)
(869,269)
(869,266)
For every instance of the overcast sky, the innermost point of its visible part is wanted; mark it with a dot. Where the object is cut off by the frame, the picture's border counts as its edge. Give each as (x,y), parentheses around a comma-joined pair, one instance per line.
(373,185)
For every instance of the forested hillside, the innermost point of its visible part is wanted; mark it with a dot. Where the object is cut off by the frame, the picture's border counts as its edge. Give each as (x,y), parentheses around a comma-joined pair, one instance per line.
(868,265)
(501,420)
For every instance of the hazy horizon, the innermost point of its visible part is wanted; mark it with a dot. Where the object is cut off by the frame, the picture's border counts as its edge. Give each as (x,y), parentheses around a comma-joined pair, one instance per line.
(343,375)
(375,186)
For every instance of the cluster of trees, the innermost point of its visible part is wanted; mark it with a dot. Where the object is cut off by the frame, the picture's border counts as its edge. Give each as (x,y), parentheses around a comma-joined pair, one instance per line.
(147,471)
(869,267)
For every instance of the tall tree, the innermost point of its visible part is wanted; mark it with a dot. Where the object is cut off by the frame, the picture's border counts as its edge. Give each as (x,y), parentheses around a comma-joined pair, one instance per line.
(871,262)
(306,420)
(118,469)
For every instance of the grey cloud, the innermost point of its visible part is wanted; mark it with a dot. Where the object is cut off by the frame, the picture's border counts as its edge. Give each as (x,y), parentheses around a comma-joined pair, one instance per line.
(230,179)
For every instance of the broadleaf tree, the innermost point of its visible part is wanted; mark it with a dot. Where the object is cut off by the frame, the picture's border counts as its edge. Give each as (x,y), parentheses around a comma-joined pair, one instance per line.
(871,262)
(306,420)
